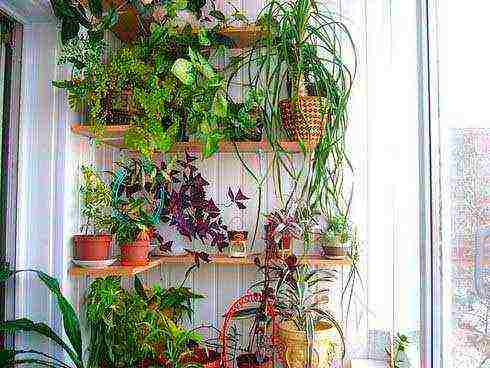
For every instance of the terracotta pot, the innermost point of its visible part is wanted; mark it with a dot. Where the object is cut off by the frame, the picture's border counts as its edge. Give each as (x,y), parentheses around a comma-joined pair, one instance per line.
(334,251)
(294,345)
(249,360)
(92,247)
(136,253)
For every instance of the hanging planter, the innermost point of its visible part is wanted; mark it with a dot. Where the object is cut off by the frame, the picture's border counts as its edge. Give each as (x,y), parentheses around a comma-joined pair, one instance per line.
(304,118)
(119,107)
(136,253)
(92,247)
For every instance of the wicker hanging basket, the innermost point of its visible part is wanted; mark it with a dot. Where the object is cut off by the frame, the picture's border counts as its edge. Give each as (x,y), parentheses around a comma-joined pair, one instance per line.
(120,107)
(305,118)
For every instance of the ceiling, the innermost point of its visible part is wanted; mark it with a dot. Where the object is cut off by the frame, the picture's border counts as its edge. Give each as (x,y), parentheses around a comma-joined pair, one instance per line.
(28,11)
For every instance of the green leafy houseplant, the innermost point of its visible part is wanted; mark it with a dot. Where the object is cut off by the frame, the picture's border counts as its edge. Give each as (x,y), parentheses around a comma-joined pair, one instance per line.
(78,15)
(210,111)
(96,201)
(160,108)
(336,233)
(124,331)
(73,348)
(305,49)
(140,326)
(96,207)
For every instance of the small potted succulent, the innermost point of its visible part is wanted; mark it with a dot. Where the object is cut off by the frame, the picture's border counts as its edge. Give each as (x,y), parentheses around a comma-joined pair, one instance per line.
(95,244)
(334,238)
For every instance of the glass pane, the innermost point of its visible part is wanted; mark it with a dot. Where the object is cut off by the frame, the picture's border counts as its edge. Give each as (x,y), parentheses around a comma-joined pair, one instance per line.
(465,199)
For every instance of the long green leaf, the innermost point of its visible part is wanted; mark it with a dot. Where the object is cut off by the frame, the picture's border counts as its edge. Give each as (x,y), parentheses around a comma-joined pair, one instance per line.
(26,325)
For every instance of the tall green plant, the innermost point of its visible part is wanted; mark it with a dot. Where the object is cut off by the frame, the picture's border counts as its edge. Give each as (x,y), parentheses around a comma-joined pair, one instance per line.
(71,325)
(304,48)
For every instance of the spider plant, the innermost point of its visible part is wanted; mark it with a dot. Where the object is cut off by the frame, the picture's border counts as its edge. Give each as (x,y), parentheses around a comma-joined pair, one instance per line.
(304,48)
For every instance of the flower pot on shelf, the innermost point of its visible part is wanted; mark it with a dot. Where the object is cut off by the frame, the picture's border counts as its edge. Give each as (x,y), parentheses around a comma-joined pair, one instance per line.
(294,345)
(92,247)
(304,118)
(136,253)
(334,249)
(249,360)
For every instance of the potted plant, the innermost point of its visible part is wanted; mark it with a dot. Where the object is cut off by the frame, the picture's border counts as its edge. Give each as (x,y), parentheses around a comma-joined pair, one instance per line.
(334,237)
(309,63)
(307,328)
(96,209)
(190,210)
(138,195)
(281,228)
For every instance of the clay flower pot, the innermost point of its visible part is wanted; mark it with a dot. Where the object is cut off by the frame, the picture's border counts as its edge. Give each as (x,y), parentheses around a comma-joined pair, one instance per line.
(136,253)
(334,249)
(92,247)
(249,360)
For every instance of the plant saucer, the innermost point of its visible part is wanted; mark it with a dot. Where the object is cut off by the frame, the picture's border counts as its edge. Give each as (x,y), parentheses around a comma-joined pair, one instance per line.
(94,264)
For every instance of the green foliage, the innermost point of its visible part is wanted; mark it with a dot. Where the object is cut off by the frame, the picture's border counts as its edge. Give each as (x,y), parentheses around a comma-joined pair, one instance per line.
(302,297)
(121,324)
(174,87)
(177,301)
(397,351)
(137,195)
(130,327)
(305,49)
(74,16)
(96,198)
(337,231)
(177,342)
(71,325)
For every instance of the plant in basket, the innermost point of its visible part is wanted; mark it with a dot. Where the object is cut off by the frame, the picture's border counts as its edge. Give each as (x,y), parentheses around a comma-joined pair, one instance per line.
(309,60)
(307,330)
(96,209)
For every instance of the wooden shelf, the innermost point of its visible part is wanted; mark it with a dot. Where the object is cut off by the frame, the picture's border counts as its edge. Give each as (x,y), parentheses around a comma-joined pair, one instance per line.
(114,136)
(129,271)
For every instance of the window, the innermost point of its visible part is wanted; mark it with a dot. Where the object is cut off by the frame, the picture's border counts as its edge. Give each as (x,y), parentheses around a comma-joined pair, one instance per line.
(463,206)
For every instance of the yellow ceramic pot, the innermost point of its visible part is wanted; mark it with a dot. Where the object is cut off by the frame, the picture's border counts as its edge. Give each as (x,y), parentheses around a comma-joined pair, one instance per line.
(295,345)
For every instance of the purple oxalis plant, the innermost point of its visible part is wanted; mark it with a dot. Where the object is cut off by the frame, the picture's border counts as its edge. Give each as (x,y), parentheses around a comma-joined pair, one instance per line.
(191,211)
